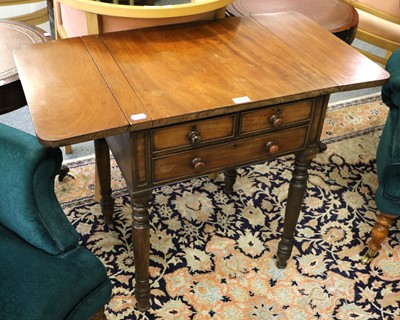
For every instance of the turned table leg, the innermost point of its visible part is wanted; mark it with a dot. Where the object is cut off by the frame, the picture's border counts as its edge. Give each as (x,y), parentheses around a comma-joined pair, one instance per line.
(141,247)
(103,172)
(297,190)
(229,179)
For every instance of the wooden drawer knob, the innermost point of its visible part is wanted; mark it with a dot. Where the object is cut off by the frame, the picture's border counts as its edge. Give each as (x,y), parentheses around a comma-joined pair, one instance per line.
(194,137)
(271,147)
(276,121)
(198,164)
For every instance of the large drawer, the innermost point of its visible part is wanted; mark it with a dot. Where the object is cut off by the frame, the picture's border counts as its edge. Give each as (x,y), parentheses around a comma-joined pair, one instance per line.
(193,133)
(193,162)
(275,117)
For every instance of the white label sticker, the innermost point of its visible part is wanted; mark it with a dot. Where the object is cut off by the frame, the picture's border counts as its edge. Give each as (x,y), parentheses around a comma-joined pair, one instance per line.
(139,116)
(241,99)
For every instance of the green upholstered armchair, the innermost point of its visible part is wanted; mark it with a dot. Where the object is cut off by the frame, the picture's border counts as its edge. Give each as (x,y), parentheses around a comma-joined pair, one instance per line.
(387,196)
(44,272)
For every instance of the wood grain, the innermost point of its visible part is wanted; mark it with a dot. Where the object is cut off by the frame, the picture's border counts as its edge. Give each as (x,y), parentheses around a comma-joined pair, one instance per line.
(189,70)
(88,88)
(321,50)
(68,99)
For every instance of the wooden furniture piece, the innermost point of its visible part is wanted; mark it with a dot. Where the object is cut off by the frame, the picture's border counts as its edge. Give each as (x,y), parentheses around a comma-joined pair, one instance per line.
(336,16)
(176,102)
(13,35)
(379,25)
(82,17)
(387,196)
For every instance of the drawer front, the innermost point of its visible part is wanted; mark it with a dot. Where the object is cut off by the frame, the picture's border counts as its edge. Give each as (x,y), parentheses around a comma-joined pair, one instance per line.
(193,133)
(195,162)
(275,117)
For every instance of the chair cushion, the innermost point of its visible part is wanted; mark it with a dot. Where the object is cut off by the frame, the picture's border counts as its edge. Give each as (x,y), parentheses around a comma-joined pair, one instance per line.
(387,196)
(391,90)
(391,182)
(39,286)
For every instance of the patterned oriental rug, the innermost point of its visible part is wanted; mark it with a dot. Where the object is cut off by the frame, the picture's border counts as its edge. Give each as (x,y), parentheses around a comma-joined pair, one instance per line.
(213,256)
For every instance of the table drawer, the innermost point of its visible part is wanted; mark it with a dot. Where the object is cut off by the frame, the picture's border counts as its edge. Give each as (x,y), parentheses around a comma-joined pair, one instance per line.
(275,117)
(186,164)
(193,133)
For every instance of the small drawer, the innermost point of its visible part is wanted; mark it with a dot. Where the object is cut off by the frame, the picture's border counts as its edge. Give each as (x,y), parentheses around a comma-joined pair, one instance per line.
(193,133)
(275,117)
(197,161)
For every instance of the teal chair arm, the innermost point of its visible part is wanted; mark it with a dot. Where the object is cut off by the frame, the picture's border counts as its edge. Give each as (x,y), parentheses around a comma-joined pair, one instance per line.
(33,212)
(45,274)
(388,154)
(391,90)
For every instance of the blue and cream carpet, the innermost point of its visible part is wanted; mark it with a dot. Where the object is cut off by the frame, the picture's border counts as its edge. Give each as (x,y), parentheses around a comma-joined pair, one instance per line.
(213,255)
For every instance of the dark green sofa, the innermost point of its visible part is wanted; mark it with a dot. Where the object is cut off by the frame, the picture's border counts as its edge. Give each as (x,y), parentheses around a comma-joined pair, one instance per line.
(387,196)
(44,273)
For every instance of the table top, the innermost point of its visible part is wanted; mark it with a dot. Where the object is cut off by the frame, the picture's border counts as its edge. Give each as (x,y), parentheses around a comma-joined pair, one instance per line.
(14,34)
(332,15)
(80,89)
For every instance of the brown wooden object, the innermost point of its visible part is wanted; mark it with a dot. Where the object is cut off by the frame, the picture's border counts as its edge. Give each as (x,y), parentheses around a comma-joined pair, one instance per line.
(14,34)
(103,161)
(99,315)
(182,101)
(336,16)
(380,232)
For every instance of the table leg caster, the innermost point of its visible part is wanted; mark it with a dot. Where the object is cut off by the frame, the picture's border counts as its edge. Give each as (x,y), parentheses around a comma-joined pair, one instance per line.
(63,172)
(368,256)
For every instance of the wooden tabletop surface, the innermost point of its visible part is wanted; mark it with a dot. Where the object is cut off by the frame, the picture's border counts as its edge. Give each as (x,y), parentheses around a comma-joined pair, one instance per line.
(86,88)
